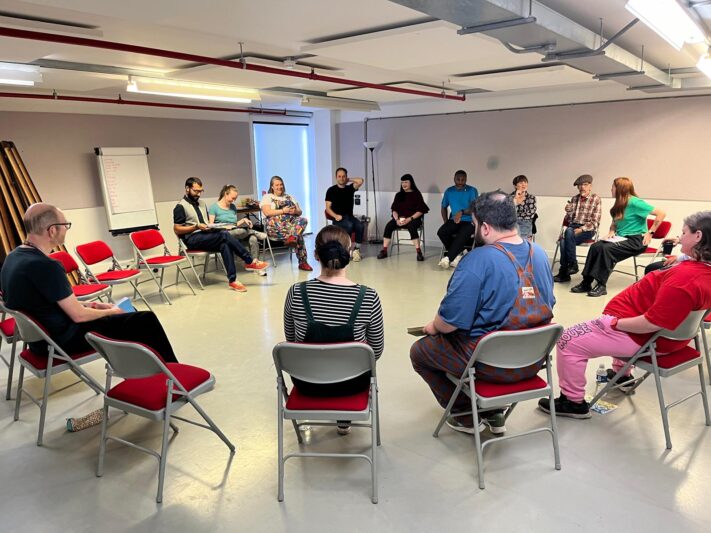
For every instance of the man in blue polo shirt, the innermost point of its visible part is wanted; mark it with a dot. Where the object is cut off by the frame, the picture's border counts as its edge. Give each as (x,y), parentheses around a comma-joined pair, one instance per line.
(457,229)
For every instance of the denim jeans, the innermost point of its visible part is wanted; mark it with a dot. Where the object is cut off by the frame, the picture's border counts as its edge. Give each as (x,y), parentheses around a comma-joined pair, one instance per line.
(568,243)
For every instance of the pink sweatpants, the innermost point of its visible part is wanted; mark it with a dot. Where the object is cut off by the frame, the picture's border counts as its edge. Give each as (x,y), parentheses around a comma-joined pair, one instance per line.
(594,338)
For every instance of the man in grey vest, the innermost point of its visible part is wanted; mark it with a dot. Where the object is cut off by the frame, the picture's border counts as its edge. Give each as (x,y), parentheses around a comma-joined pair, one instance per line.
(190,225)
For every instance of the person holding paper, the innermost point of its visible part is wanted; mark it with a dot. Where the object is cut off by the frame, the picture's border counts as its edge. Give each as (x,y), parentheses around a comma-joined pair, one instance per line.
(190,225)
(628,236)
(660,300)
(504,283)
(407,211)
(582,220)
(35,284)
(224,211)
(332,308)
(284,220)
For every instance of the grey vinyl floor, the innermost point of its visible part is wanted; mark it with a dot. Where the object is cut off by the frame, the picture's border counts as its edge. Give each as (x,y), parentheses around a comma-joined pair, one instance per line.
(616,473)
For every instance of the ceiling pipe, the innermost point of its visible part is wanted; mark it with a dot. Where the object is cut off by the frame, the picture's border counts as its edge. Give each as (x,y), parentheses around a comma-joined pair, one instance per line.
(121,101)
(157,52)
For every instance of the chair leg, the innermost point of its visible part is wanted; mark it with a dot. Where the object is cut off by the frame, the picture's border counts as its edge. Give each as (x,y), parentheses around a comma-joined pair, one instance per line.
(20,380)
(160,284)
(45,397)
(192,267)
(555,254)
(102,443)
(706,351)
(554,430)
(377,413)
(448,409)
(163,454)
(704,396)
(139,293)
(373,445)
(180,271)
(662,405)
(212,425)
(11,369)
(477,435)
(280,444)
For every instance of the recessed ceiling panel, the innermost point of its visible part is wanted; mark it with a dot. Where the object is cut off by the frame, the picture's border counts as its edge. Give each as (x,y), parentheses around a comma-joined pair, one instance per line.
(525,79)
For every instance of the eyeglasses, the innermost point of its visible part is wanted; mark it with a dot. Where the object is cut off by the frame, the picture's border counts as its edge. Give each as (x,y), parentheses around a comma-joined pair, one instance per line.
(67,225)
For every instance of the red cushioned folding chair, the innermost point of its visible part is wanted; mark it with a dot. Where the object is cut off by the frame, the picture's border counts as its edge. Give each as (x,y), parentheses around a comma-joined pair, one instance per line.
(664,366)
(46,366)
(93,253)
(149,239)
(204,255)
(9,334)
(85,291)
(507,350)
(653,250)
(586,243)
(152,389)
(322,364)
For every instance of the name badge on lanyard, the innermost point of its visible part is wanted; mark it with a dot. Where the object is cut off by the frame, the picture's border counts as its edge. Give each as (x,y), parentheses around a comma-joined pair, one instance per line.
(528,293)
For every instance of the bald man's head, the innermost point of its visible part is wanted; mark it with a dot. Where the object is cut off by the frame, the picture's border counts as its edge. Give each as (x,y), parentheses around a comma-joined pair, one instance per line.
(39,217)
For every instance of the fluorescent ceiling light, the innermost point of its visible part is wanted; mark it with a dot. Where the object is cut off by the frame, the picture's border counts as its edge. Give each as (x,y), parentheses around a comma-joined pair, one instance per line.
(704,65)
(328,102)
(192,90)
(19,74)
(668,19)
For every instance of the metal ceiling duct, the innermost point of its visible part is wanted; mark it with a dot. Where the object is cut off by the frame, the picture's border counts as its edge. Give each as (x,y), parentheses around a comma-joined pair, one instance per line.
(525,26)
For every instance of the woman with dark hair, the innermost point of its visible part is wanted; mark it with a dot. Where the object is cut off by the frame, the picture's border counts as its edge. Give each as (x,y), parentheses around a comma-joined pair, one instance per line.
(224,211)
(525,206)
(284,220)
(408,209)
(660,300)
(628,236)
(332,308)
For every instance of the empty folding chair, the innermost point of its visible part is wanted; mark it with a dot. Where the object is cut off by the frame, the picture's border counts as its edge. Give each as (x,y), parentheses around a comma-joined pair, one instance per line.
(9,334)
(46,366)
(204,255)
(93,253)
(85,291)
(507,350)
(664,366)
(152,389)
(323,364)
(150,239)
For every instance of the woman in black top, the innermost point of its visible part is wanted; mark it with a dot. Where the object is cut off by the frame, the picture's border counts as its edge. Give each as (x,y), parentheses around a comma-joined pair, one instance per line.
(408,209)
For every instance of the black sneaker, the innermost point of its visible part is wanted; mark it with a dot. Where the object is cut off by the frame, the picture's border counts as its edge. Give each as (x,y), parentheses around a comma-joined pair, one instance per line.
(626,383)
(564,407)
(597,290)
(420,257)
(561,277)
(582,287)
(382,254)
(573,269)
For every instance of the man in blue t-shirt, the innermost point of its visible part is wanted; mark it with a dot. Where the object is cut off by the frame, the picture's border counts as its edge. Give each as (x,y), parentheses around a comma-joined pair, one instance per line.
(480,297)
(457,230)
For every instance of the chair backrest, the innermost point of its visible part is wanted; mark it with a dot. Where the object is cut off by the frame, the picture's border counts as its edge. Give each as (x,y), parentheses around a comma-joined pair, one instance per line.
(127,359)
(662,230)
(324,363)
(147,239)
(30,330)
(67,261)
(516,349)
(94,252)
(687,330)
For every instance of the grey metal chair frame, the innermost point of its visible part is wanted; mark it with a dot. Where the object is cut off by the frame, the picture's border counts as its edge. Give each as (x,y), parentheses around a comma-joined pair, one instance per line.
(30,331)
(687,330)
(190,255)
(706,324)
(326,363)
(11,341)
(142,264)
(563,227)
(509,350)
(132,360)
(420,231)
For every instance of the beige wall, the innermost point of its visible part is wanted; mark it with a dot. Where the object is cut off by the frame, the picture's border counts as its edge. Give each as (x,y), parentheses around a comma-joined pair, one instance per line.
(58,150)
(661,144)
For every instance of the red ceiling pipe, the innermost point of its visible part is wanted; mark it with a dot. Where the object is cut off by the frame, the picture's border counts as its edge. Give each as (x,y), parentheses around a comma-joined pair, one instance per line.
(122,101)
(122,47)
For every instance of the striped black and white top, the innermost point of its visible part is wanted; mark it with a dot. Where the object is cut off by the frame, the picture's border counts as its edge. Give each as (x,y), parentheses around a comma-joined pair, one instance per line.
(332,305)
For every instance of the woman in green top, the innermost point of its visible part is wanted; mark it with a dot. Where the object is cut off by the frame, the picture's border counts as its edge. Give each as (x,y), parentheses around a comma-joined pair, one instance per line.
(224,211)
(628,236)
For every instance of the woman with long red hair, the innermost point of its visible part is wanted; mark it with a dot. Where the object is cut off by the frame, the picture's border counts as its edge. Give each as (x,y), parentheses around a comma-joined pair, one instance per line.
(628,236)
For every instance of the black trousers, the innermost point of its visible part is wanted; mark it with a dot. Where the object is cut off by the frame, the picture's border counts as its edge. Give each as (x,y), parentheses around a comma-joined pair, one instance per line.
(455,237)
(413,227)
(603,256)
(223,242)
(141,326)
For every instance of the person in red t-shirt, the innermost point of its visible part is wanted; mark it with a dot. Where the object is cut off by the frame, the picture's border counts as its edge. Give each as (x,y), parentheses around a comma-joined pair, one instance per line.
(660,300)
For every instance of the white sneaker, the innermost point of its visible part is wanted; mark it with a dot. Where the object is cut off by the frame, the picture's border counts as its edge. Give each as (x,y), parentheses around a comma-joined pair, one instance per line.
(355,255)
(456,260)
(444,262)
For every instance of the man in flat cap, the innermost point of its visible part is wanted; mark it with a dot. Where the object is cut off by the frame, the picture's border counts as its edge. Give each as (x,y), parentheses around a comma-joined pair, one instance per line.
(582,218)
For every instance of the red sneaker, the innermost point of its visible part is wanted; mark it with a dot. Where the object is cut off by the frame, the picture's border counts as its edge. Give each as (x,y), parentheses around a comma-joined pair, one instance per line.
(256,265)
(305,266)
(237,286)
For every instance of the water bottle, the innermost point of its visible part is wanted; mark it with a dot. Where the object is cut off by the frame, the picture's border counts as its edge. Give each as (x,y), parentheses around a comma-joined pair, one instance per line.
(600,377)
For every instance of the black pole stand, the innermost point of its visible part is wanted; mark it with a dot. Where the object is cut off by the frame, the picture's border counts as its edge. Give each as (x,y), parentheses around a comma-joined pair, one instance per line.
(377,239)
